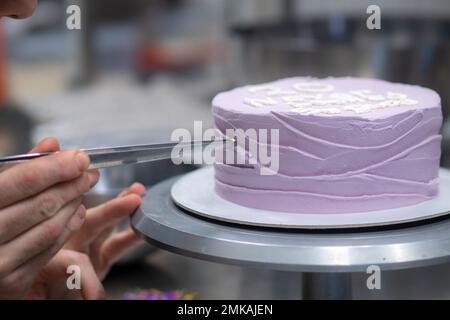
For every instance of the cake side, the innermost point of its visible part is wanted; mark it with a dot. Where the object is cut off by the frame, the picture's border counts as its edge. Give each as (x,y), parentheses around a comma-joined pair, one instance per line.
(335,161)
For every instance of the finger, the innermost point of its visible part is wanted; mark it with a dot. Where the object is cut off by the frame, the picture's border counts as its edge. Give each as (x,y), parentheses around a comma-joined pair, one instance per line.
(96,246)
(57,273)
(20,217)
(135,188)
(118,245)
(29,178)
(101,238)
(30,269)
(25,275)
(101,218)
(108,215)
(91,286)
(46,145)
(38,239)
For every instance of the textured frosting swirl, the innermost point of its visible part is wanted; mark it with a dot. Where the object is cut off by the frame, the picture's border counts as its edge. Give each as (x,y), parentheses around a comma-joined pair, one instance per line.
(340,161)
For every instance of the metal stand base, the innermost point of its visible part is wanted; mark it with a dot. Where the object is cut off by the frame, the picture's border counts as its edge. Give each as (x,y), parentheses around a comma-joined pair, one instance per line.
(328,258)
(327,286)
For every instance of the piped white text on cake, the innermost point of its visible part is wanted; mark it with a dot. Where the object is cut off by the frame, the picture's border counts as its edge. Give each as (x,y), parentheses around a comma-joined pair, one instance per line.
(310,98)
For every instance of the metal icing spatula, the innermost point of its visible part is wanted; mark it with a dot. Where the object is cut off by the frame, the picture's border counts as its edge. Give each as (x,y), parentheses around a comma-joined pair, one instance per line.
(116,156)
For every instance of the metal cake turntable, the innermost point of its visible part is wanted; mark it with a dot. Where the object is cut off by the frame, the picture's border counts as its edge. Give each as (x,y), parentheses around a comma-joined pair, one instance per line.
(327,254)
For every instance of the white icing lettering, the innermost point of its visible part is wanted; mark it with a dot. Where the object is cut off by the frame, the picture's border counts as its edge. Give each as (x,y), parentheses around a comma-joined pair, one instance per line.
(396,95)
(270,90)
(320,98)
(260,102)
(313,87)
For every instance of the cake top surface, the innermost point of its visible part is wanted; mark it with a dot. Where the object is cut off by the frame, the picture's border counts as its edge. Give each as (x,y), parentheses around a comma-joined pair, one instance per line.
(329,97)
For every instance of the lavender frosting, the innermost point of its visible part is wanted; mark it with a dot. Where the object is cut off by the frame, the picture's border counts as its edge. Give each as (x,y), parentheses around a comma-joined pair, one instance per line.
(346,144)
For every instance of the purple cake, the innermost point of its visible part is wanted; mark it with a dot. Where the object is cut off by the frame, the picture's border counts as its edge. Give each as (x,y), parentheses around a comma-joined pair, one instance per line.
(345,145)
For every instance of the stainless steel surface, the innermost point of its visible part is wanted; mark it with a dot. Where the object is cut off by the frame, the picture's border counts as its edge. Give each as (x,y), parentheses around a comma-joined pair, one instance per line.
(167,271)
(122,155)
(162,223)
(203,200)
(330,286)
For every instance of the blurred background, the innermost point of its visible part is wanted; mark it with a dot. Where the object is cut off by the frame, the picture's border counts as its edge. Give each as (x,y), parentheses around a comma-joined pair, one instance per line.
(137,69)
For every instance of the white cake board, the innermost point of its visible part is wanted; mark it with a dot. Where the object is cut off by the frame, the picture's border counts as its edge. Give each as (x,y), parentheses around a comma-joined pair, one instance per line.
(195,192)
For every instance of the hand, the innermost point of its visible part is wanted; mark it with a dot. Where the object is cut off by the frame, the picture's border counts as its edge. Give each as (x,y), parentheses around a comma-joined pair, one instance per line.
(93,248)
(40,208)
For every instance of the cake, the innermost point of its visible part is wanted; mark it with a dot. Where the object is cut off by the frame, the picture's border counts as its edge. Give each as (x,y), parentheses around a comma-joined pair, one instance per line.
(345,145)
